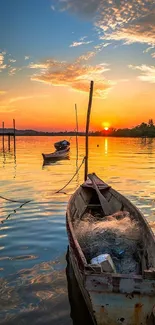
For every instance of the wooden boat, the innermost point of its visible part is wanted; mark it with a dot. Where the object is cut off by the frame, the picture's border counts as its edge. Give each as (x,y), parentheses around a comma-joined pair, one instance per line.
(61,145)
(57,155)
(111,297)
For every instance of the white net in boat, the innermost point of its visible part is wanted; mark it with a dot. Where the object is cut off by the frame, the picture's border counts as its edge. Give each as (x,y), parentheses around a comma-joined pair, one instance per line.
(117,235)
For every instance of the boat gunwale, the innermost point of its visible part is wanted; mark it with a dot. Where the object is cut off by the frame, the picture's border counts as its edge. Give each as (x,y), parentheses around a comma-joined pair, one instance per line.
(56,154)
(145,222)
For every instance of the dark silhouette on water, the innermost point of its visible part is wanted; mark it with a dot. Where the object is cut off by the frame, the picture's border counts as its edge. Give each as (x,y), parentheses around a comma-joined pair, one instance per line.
(79,311)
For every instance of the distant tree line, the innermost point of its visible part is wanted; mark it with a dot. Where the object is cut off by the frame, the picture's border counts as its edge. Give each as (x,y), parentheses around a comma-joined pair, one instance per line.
(142,130)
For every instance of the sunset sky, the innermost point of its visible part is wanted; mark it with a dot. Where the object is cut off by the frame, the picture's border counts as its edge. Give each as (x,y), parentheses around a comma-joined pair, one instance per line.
(51,49)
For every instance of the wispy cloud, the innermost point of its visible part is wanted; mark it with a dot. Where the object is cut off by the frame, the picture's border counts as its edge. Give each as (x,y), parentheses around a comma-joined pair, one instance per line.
(1,58)
(2,92)
(85,8)
(83,38)
(86,56)
(26,57)
(12,71)
(75,75)
(20,98)
(12,60)
(9,105)
(148,72)
(100,47)
(148,49)
(46,64)
(2,65)
(75,44)
(7,109)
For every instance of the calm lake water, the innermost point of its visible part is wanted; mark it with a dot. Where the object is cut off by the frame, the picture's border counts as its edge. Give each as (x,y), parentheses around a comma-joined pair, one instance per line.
(33,240)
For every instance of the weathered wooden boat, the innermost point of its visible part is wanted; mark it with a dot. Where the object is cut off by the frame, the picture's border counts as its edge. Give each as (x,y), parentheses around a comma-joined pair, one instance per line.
(116,297)
(57,155)
(61,145)
(112,298)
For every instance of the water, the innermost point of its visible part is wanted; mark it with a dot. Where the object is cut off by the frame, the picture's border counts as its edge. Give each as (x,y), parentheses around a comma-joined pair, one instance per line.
(33,240)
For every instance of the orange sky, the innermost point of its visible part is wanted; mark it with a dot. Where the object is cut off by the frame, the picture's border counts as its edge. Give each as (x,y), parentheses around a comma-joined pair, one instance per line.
(53,109)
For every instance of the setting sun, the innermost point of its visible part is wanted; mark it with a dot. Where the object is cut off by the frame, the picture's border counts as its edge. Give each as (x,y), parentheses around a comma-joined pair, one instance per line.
(106,125)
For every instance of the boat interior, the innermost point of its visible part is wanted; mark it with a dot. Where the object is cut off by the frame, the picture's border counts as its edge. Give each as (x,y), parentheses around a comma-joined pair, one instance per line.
(119,230)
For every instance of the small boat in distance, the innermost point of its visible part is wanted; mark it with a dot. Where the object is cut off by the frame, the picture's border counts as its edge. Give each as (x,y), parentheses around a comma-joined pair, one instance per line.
(112,252)
(61,145)
(61,152)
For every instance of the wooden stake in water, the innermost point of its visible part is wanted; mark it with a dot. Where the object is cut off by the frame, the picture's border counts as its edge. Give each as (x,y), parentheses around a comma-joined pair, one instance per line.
(14,134)
(87,127)
(9,141)
(3,135)
(77,148)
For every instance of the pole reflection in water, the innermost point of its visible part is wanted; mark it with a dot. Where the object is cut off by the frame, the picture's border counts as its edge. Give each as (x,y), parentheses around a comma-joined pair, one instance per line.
(79,311)
(8,153)
(106,146)
(9,156)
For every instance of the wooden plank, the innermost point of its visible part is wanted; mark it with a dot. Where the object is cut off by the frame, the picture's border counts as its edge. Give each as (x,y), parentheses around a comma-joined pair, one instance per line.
(80,204)
(86,195)
(149,274)
(115,204)
(104,203)
(106,194)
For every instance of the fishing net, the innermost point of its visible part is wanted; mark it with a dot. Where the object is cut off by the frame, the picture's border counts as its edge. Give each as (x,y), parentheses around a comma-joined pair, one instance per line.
(117,235)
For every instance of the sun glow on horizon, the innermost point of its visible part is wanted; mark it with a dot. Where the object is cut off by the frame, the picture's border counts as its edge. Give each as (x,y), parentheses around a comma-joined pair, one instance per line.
(106,126)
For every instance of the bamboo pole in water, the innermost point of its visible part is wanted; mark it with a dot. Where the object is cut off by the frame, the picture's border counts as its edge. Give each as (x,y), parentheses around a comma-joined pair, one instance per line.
(14,134)
(3,135)
(77,148)
(87,127)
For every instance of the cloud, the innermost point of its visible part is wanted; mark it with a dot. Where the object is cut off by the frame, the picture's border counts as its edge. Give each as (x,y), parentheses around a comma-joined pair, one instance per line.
(83,38)
(47,64)
(100,47)
(141,30)
(74,75)
(12,60)
(12,71)
(26,57)
(2,92)
(2,65)
(19,98)
(148,72)
(148,49)
(1,59)
(153,55)
(53,8)
(7,109)
(74,44)
(86,56)
(85,8)
(131,21)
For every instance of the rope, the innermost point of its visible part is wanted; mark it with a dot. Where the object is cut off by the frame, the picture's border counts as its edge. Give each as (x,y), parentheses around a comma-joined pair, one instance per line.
(72,177)
(14,201)
(4,198)
(25,202)
(14,211)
